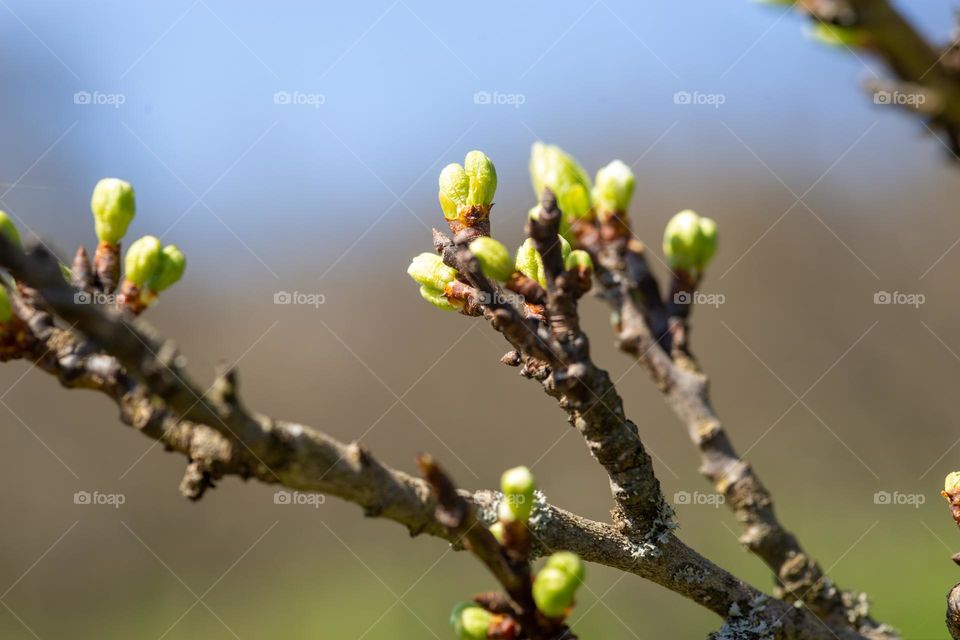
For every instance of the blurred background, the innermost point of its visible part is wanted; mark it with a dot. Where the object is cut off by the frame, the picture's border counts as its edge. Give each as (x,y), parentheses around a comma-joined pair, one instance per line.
(295,147)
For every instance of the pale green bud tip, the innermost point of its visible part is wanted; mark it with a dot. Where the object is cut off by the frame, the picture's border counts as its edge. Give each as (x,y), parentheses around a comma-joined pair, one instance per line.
(579,259)
(428,270)
(143,260)
(553,591)
(497,530)
(840,37)
(470,621)
(494,258)
(439,300)
(552,168)
(529,262)
(483,178)
(8,229)
(614,187)
(518,481)
(568,562)
(565,248)
(172,265)
(454,190)
(952,482)
(518,486)
(6,310)
(690,241)
(113,209)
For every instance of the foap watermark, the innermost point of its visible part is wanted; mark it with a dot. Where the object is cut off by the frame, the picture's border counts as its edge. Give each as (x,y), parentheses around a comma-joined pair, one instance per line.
(499,297)
(94,297)
(898,297)
(299,99)
(698,498)
(99,99)
(900,98)
(699,298)
(496,98)
(698,98)
(896,498)
(298,298)
(97,498)
(299,499)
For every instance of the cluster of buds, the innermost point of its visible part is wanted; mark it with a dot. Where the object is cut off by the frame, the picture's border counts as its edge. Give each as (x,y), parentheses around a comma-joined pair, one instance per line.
(689,242)
(529,262)
(552,168)
(436,281)
(149,268)
(556,584)
(466,194)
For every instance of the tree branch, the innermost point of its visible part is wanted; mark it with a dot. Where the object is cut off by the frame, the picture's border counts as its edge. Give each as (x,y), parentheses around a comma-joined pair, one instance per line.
(304,459)
(630,288)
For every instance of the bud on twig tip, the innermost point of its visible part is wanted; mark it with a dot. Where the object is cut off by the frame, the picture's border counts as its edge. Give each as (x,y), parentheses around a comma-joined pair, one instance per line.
(113,207)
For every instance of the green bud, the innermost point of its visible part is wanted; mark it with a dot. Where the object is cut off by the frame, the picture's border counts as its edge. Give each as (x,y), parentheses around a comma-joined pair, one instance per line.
(143,260)
(6,310)
(454,190)
(841,37)
(529,262)
(8,229)
(494,258)
(553,591)
(172,265)
(497,530)
(483,178)
(565,248)
(552,168)
(614,188)
(113,208)
(689,241)
(708,231)
(518,486)
(568,562)
(952,482)
(428,270)
(474,183)
(579,259)
(470,621)
(534,212)
(437,298)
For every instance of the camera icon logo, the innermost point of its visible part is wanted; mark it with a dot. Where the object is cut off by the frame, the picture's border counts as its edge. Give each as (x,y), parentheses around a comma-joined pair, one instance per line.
(482,97)
(882,297)
(82,497)
(281,97)
(282,497)
(882,97)
(682,297)
(882,497)
(682,497)
(82,297)
(82,97)
(682,97)
(282,297)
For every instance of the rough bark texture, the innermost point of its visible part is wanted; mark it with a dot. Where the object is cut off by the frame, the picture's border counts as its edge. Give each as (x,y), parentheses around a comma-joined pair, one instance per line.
(654,331)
